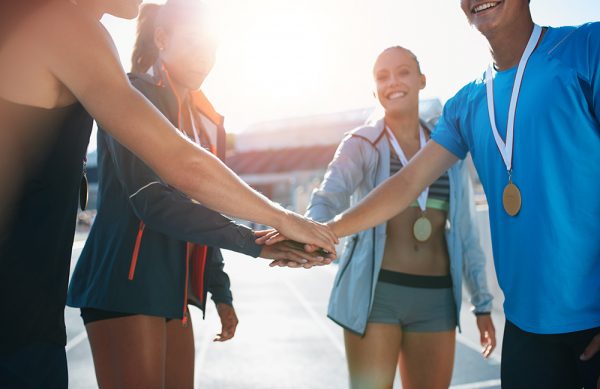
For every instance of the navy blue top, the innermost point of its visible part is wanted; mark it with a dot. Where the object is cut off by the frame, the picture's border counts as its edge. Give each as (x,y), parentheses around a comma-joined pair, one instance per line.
(130,192)
(35,248)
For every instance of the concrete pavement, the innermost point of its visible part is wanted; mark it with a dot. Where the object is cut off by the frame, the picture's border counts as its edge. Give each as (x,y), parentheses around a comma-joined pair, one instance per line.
(284,339)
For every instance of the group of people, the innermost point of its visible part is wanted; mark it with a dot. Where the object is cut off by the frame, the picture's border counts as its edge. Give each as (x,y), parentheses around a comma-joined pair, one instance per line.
(398,186)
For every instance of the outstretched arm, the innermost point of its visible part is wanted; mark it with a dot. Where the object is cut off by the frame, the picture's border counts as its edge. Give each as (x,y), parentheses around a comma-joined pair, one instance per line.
(397,192)
(81,56)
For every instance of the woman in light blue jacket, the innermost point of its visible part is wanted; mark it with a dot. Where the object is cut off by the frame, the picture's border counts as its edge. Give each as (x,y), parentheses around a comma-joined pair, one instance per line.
(397,293)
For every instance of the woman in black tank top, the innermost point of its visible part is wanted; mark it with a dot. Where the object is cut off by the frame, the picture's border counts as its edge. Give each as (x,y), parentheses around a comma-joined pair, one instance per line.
(57,63)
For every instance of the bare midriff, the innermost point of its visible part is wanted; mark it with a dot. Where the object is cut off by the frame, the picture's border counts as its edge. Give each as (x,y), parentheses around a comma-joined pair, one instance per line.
(403,253)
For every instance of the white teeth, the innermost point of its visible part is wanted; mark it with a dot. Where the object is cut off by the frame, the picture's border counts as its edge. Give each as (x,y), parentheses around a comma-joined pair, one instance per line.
(483,7)
(396,95)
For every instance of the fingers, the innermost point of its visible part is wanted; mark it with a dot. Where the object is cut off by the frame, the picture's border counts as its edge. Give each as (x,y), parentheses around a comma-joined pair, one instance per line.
(328,239)
(229,322)
(592,349)
(308,231)
(261,233)
(272,239)
(284,263)
(487,334)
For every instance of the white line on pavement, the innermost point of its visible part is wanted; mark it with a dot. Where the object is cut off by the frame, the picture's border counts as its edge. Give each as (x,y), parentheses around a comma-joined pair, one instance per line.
(316,317)
(477,385)
(76,341)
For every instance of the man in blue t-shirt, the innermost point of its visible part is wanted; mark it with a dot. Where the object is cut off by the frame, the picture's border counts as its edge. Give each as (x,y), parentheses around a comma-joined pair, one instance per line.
(532,125)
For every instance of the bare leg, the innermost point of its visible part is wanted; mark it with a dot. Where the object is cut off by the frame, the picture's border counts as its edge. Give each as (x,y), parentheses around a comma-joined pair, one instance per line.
(427,359)
(129,352)
(179,367)
(372,359)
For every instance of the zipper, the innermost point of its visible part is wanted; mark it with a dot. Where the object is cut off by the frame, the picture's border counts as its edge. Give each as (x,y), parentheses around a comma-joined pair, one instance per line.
(198,278)
(189,247)
(136,250)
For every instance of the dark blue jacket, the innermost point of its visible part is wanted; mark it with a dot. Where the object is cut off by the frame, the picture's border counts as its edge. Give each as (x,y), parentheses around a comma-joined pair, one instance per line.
(109,275)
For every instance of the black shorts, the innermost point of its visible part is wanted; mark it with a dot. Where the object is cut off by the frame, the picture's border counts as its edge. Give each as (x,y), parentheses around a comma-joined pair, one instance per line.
(547,361)
(37,365)
(90,315)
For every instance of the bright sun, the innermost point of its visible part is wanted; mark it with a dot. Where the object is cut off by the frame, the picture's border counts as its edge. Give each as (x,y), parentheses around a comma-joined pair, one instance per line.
(270,51)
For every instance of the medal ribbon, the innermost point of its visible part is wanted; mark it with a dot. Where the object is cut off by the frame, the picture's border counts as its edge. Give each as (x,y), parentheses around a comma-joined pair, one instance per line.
(422,199)
(506,149)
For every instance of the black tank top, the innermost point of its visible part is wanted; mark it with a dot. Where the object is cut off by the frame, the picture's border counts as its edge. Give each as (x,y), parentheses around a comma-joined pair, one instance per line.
(36,243)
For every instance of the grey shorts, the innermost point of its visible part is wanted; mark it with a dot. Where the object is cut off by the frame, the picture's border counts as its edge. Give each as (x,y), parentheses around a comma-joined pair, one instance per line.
(415,309)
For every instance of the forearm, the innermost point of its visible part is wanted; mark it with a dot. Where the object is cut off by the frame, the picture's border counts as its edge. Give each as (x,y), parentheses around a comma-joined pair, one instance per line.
(381,204)
(176,160)
(396,193)
(131,119)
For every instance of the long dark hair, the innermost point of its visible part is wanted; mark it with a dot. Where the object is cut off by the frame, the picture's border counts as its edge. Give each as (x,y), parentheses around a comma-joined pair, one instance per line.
(145,52)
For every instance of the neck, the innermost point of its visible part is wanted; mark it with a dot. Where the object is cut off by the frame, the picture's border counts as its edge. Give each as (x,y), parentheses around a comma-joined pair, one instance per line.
(180,90)
(403,126)
(90,7)
(507,46)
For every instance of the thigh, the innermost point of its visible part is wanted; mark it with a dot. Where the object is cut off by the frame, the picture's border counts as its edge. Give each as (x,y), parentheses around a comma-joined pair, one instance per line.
(535,361)
(426,359)
(39,365)
(129,352)
(179,366)
(372,358)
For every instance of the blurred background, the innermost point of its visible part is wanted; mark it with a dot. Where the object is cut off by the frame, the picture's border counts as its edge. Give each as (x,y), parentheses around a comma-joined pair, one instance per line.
(291,78)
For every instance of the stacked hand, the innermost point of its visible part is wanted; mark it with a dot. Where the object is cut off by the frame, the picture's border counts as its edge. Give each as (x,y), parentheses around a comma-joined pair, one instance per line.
(300,229)
(288,253)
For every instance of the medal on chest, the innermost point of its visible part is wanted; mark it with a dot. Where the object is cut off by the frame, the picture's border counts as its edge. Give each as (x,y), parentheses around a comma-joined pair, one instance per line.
(422,226)
(511,196)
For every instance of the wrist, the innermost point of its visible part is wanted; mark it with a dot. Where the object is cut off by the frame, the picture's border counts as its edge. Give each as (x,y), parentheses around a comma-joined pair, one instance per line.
(482,313)
(279,216)
(335,226)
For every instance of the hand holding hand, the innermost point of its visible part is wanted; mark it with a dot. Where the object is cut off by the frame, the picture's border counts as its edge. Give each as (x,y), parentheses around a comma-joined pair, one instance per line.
(292,254)
(305,230)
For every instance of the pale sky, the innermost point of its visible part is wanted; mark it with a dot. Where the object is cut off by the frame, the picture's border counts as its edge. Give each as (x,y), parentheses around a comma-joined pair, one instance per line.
(284,58)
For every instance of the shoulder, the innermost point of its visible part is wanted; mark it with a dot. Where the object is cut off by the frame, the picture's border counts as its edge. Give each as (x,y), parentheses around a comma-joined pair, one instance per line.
(146,84)
(582,37)
(65,24)
(370,133)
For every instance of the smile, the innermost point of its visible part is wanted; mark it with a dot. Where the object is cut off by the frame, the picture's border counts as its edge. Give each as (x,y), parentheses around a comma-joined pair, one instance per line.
(396,95)
(484,7)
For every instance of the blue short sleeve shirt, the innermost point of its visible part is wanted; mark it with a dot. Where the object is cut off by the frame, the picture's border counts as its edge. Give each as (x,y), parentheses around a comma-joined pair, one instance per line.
(547,257)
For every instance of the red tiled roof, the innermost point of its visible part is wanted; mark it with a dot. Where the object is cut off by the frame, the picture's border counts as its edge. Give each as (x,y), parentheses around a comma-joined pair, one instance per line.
(281,160)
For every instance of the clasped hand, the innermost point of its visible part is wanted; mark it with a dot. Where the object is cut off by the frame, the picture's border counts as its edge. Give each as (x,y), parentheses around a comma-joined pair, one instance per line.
(289,253)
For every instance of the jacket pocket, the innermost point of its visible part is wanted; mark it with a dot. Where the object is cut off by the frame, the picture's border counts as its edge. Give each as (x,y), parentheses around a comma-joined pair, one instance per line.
(343,270)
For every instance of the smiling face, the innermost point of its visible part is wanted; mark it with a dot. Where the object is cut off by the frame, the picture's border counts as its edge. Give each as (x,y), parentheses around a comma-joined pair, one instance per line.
(188,53)
(488,16)
(398,81)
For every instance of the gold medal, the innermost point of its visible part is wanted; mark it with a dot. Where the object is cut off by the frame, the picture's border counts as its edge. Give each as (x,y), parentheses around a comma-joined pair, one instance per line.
(422,229)
(511,199)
